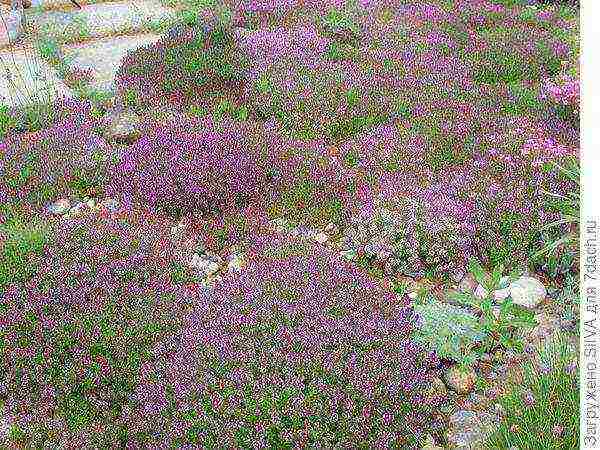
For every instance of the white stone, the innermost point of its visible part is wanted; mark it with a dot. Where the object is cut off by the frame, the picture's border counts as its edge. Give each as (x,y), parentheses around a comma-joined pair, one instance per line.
(11,27)
(236,263)
(76,210)
(460,380)
(60,207)
(99,20)
(331,229)
(4,426)
(103,58)
(204,266)
(178,230)
(481,292)
(122,127)
(321,238)
(527,291)
(110,204)
(25,78)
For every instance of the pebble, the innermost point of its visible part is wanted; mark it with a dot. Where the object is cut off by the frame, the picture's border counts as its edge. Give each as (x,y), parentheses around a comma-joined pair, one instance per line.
(331,229)
(321,238)
(178,230)
(527,292)
(236,263)
(469,430)
(204,266)
(76,210)
(460,380)
(110,204)
(60,207)
(122,127)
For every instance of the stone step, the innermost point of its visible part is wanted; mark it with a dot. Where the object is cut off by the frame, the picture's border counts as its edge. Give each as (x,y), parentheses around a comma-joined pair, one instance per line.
(102,57)
(25,78)
(11,26)
(98,20)
(60,4)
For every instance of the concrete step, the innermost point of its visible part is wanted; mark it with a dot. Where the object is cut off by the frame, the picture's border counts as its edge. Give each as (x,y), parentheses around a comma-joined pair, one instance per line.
(102,57)
(97,20)
(26,78)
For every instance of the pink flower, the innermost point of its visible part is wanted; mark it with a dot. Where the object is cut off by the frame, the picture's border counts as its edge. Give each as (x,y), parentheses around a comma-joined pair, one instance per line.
(557,431)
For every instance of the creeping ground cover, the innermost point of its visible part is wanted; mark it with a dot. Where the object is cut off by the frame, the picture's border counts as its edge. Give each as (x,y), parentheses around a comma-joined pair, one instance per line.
(302,224)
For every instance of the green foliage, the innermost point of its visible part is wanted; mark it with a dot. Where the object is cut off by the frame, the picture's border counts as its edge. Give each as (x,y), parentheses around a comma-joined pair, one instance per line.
(48,48)
(7,121)
(346,127)
(499,326)
(568,207)
(445,149)
(20,247)
(457,334)
(506,67)
(337,51)
(525,100)
(545,406)
(453,333)
(338,19)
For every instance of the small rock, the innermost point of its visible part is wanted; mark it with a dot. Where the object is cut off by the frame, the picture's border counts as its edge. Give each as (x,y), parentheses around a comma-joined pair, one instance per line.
(469,430)
(212,257)
(5,427)
(280,225)
(321,238)
(496,311)
(110,204)
(206,267)
(436,389)
(236,263)
(430,444)
(11,29)
(122,127)
(480,292)
(60,207)
(460,380)
(499,410)
(477,400)
(527,292)
(75,211)
(457,276)
(331,229)
(178,230)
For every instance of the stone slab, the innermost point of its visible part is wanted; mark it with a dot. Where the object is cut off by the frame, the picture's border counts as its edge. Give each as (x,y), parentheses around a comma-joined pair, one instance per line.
(26,78)
(11,26)
(99,20)
(103,57)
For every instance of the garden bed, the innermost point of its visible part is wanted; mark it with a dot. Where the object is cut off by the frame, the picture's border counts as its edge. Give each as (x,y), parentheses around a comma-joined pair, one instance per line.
(302,225)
